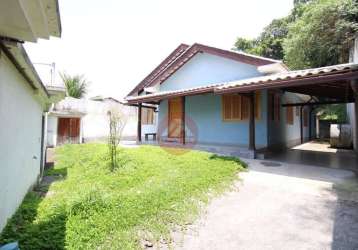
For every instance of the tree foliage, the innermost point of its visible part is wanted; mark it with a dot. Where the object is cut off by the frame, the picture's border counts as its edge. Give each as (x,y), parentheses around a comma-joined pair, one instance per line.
(269,43)
(316,33)
(322,35)
(76,85)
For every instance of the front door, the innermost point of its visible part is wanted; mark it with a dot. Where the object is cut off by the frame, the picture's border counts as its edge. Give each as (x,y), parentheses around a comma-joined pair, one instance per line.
(175,110)
(68,130)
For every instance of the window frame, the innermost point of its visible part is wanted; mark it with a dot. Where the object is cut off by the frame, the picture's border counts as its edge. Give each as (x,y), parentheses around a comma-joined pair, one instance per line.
(146,118)
(290,116)
(243,107)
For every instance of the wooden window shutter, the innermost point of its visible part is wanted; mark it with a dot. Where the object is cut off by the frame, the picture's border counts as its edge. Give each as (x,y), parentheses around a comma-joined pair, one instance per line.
(226,107)
(144,116)
(245,108)
(305,118)
(258,105)
(289,115)
(236,107)
(147,116)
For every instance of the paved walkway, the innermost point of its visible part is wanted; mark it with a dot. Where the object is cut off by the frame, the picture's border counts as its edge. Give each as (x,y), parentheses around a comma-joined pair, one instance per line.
(281,207)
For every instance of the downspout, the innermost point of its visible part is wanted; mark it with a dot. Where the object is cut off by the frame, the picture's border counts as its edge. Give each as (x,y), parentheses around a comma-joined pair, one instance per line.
(301,124)
(353,57)
(354,86)
(43,146)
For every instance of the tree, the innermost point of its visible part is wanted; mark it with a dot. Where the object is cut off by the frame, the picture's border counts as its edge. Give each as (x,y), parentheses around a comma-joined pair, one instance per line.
(243,44)
(322,35)
(76,85)
(117,122)
(269,43)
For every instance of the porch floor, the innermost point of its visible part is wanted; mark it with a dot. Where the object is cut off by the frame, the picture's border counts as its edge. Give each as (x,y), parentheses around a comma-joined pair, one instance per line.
(317,153)
(311,153)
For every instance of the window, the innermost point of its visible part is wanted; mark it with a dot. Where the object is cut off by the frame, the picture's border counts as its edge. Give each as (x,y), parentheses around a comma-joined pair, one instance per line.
(237,107)
(298,111)
(305,118)
(274,106)
(147,116)
(289,115)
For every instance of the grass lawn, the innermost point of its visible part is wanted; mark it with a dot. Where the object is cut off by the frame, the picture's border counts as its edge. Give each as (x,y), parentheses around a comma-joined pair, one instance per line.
(87,206)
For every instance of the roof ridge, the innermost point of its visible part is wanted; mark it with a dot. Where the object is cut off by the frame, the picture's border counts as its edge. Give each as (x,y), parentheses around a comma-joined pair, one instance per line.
(196,47)
(179,49)
(242,53)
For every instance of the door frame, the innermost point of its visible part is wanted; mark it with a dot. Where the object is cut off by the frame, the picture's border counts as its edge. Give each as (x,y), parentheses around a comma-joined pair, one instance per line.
(181,101)
(58,142)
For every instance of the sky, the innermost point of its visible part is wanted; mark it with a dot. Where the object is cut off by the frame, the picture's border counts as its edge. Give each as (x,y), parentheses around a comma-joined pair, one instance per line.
(116,43)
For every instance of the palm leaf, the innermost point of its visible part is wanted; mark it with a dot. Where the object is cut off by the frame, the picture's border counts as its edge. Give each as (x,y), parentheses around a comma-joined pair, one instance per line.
(76,85)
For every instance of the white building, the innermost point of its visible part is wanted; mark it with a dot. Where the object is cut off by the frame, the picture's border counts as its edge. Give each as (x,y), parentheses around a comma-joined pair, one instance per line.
(83,120)
(23,98)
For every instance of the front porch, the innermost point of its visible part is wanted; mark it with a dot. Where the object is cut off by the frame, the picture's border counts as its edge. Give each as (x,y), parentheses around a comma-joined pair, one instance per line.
(311,153)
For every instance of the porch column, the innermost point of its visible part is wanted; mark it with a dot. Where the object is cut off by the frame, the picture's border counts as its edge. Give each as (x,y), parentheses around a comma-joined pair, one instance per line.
(310,124)
(182,128)
(252,122)
(139,125)
(354,120)
(301,123)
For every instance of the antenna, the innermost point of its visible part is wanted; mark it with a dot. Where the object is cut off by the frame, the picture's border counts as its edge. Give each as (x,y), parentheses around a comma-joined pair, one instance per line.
(52,70)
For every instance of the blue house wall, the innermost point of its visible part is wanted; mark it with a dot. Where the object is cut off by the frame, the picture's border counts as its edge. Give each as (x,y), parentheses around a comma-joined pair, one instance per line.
(204,69)
(204,112)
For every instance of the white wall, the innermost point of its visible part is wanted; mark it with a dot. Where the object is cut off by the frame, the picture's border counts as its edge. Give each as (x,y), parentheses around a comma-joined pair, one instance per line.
(20,139)
(282,134)
(95,123)
(352,122)
(51,130)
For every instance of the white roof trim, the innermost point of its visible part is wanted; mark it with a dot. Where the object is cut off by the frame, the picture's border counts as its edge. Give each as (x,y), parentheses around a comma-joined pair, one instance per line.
(29,20)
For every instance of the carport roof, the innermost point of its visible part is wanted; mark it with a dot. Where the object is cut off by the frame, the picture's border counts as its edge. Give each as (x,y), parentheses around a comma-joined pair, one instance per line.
(331,82)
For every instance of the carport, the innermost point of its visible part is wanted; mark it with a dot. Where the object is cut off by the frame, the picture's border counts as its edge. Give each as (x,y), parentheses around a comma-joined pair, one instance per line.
(326,85)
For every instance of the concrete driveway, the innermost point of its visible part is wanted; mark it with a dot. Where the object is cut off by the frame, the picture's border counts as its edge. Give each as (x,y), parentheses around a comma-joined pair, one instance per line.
(289,206)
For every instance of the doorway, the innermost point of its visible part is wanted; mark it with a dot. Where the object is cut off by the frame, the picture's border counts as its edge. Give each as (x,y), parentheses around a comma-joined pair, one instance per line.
(175,110)
(68,130)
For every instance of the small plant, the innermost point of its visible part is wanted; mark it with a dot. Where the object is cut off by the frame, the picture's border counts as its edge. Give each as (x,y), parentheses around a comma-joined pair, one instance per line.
(76,86)
(117,122)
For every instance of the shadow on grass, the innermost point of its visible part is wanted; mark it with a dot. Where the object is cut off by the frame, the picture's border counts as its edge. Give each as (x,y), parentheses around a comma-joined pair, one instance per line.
(229,158)
(38,233)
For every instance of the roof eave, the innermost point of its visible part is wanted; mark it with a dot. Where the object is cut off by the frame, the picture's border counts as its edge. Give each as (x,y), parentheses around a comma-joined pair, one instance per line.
(19,58)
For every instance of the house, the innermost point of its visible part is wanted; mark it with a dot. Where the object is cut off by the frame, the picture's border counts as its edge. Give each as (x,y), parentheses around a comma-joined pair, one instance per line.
(75,120)
(211,97)
(24,99)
